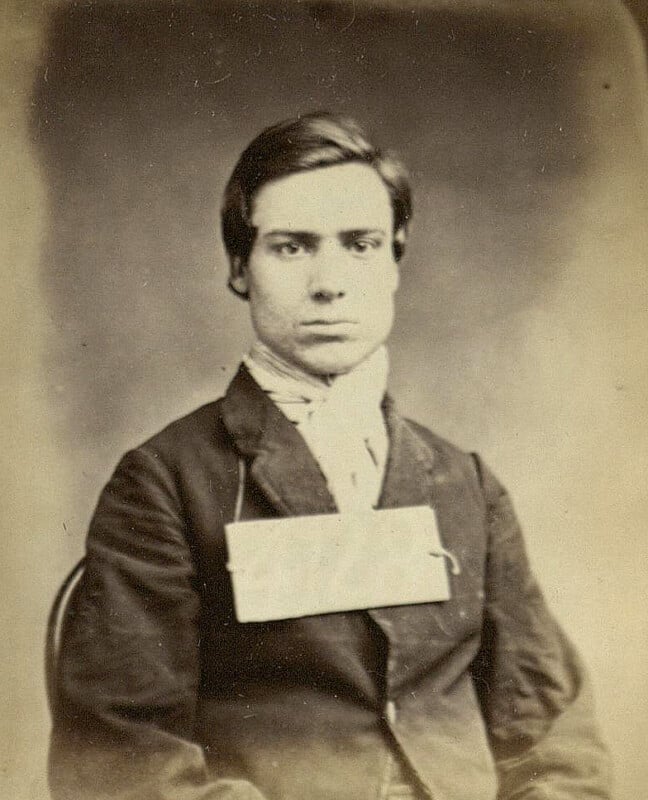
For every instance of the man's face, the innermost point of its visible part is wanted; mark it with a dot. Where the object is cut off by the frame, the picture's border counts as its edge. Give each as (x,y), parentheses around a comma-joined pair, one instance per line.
(321,275)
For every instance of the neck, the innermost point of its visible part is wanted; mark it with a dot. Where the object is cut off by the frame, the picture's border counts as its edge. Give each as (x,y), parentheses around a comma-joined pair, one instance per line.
(365,384)
(263,356)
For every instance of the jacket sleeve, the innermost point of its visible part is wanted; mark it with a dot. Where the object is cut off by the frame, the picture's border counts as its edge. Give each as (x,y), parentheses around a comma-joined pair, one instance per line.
(128,670)
(535,695)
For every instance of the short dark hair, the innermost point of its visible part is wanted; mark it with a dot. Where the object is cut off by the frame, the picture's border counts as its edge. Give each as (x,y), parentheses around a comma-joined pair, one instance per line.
(319,139)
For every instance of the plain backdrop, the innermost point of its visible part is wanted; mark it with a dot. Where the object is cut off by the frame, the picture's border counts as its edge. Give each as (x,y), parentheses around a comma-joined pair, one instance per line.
(521,327)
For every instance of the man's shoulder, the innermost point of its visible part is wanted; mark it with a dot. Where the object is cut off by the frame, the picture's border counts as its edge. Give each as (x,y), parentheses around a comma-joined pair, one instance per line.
(189,434)
(437,442)
(214,426)
(443,449)
(461,466)
(461,463)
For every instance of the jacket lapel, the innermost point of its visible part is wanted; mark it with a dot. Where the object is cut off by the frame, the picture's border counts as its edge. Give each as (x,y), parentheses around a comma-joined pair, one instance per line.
(285,470)
(282,465)
(410,464)
(408,482)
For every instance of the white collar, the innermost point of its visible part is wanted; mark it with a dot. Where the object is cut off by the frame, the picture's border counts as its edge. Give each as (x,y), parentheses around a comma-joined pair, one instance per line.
(300,394)
(340,420)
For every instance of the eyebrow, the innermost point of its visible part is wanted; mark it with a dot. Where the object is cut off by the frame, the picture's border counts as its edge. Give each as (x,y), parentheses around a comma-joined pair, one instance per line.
(305,237)
(358,233)
(310,237)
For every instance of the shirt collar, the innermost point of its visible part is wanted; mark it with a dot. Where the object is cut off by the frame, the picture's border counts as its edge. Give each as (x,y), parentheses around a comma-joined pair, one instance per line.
(299,394)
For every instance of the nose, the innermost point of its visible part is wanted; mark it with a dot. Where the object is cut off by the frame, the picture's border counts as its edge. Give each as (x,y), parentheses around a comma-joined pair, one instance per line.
(327,295)
(328,280)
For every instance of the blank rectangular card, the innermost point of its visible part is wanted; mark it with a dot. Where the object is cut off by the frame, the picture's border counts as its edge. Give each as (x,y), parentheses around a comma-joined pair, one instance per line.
(298,566)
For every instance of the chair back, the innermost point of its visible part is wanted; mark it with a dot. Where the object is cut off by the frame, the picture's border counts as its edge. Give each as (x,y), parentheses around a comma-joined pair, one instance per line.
(54,628)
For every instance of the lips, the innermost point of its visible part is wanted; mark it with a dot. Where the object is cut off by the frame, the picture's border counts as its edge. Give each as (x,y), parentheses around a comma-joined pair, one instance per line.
(329,329)
(327,322)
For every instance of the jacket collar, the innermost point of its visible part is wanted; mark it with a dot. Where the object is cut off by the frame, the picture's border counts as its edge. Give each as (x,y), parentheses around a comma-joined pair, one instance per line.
(287,473)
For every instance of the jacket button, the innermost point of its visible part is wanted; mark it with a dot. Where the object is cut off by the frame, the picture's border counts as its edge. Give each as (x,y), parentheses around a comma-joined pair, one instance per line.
(390,711)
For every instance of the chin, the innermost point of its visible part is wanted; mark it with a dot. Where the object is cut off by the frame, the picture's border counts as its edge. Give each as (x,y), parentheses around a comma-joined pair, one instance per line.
(334,363)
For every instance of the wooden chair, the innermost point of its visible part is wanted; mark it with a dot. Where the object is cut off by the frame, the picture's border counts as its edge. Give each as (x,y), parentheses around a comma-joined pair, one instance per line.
(54,627)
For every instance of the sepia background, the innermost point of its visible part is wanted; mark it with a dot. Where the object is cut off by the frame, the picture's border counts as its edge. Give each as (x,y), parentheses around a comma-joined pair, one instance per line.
(522,312)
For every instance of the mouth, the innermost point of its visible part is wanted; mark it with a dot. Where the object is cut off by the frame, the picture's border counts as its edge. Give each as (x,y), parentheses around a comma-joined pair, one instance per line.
(327,323)
(328,329)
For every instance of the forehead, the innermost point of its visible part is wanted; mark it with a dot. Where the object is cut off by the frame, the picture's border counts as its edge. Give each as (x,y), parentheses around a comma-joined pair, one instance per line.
(340,197)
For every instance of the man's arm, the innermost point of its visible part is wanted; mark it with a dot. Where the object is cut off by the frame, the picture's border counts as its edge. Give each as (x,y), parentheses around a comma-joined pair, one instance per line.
(535,695)
(129,665)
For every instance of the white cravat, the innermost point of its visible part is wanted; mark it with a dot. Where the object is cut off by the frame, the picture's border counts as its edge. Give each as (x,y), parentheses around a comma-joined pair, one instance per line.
(340,418)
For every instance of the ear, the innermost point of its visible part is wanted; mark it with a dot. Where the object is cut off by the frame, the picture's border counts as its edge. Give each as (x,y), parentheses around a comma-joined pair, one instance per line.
(400,237)
(238,281)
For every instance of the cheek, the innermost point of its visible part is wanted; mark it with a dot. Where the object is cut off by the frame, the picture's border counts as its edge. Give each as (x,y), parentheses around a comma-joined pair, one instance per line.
(273,307)
(377,315)
(275,288)
(270,304)
(380,280)
(378,294)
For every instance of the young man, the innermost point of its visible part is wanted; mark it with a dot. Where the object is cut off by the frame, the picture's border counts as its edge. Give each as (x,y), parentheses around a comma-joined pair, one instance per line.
(169,691)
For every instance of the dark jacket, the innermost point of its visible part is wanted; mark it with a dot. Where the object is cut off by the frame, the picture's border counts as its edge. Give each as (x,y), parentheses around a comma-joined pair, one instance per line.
(164,695)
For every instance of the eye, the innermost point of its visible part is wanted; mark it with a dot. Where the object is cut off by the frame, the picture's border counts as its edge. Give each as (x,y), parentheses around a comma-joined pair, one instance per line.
(365,246)
(289,249)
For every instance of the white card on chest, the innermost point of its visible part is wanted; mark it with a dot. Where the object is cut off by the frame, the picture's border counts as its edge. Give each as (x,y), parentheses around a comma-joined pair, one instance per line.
(298,566)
